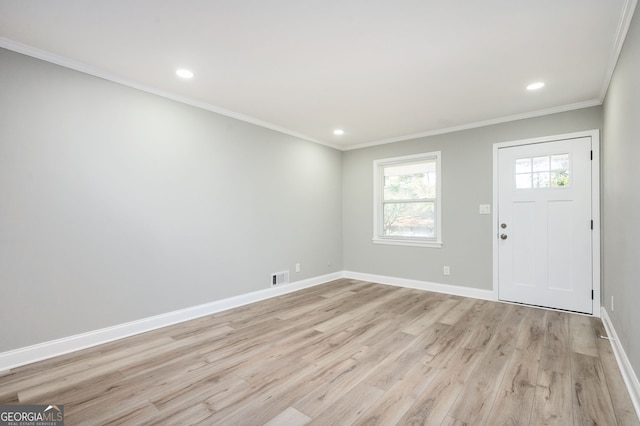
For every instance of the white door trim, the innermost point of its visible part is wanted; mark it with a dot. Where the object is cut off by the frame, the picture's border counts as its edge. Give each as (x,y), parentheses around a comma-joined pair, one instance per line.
(595,205)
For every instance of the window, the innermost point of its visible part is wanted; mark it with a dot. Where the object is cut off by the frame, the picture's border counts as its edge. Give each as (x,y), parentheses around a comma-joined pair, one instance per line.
(542,172)
(407,200)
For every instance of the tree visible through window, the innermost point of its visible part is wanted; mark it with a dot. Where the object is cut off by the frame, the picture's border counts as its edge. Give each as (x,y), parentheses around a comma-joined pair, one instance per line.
(407,200)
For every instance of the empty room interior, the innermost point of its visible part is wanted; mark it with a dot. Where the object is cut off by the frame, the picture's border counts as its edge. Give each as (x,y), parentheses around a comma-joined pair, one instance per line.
(292,213)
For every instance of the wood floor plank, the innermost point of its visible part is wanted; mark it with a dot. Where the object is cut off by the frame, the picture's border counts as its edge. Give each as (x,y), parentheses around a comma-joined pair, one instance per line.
(52,387)
(133,416)
(433,404)
(583,339)
(422,322)
(197,392)
(347,409)
(394,403)
(460,331)
(29,377)
(591,400)
(552,401)
(553,397)
(476,399)
(139,388)
(347,352)
(263,400)
(450,421)
(394,369)
(289,417)
(485,326)
(458,311)
(114,413)
(325,395)
(556,355)
(193,415)
(515,398)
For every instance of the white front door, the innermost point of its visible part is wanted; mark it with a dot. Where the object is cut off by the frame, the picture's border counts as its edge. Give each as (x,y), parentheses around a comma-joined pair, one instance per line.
(545,224)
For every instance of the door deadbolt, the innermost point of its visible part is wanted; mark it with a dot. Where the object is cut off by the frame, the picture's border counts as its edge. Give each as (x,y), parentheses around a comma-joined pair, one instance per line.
(503,236)
(503,225)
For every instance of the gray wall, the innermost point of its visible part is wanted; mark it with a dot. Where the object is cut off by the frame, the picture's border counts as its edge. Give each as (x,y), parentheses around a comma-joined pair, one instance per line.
(466,183)
(117,205)
(621,164)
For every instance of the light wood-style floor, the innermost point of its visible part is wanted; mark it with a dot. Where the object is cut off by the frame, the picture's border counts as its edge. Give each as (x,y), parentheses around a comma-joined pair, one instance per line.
(347,352)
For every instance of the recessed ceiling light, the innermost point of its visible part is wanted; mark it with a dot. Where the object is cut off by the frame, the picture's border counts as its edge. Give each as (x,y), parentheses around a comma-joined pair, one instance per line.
(184,73)
(338,132)
(535,86)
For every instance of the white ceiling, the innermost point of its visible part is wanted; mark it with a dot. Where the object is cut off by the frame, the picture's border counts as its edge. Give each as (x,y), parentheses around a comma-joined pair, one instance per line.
(381,70)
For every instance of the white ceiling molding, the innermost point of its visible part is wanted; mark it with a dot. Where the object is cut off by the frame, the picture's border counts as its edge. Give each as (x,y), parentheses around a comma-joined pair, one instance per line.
(385,73)
(86,69)
(477,124)
(621,34)
(77,66)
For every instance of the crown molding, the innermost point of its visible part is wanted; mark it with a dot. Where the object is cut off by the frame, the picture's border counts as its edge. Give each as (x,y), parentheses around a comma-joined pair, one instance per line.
(476,124)
(621,34)
(87,69)
(84,68)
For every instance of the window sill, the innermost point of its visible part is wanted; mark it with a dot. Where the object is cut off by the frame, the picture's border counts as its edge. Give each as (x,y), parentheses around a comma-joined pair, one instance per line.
(403,242)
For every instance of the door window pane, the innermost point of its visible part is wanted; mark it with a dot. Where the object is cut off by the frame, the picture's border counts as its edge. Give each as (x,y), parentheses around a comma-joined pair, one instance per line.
(541,164)
(542,171)
(541,180)
(523,165)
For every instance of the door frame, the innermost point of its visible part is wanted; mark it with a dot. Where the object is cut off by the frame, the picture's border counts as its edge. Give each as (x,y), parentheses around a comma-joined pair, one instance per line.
(595,205)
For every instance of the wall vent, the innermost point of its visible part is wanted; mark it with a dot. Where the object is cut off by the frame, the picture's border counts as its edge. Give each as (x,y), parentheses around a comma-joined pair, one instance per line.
(279,278)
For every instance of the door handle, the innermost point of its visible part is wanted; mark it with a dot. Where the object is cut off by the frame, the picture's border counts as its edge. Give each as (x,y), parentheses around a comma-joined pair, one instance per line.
(503,236)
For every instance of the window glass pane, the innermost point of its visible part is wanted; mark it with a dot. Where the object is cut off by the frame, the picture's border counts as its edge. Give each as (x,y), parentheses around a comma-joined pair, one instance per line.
(523,165)
(560,170)
(560,178)
(560,162)
(406,187)
(409,219)
(430,184)
(406,190)
(411,168)
(523,181)
(541,180)
(543,171)
(410,182)
(541,164)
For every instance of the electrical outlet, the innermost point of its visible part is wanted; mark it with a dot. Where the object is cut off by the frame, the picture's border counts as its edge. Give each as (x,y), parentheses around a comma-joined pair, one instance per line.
(611,303)
(446,270)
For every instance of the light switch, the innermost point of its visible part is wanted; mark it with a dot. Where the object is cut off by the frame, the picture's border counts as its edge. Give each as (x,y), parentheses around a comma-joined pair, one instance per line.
(485,208)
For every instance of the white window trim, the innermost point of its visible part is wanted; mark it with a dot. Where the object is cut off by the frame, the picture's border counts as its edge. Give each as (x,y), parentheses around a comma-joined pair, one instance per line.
(378,186)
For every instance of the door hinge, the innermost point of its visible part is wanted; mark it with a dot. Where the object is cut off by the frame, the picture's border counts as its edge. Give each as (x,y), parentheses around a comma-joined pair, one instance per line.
(591,294)
(592,224)
(591,155)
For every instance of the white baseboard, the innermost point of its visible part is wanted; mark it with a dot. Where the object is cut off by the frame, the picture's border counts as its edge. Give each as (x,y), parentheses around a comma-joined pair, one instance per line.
(41,351)
(27,355)
(629,376)
(423,285)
